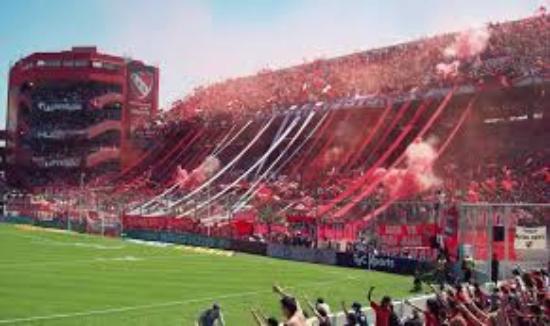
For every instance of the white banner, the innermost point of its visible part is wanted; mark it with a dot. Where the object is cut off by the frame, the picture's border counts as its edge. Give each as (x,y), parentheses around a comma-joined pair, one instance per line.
(530,237)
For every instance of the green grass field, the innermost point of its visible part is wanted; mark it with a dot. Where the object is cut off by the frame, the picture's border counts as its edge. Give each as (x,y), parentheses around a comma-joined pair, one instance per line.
(50,278)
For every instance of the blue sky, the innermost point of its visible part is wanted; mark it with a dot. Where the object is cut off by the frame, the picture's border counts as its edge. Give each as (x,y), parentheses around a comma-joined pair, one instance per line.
(196,42)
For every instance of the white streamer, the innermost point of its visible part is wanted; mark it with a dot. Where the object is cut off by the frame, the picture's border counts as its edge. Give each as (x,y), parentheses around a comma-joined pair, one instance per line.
(253,189)
(244,175)
(213,178)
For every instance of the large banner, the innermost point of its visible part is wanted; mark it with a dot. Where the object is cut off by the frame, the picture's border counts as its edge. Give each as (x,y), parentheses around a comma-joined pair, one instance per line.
(141,105)
(142,92)
(321,256)
(419,235)
(530,237)
(256,248)
(389,264)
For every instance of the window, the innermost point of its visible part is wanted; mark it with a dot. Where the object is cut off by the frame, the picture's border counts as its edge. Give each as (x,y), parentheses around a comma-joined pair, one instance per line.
(68,63)
(97,64)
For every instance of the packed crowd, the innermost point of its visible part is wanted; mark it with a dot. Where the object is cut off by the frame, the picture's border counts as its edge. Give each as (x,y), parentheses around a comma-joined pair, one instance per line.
(301,189)
(522,300)
(514,156)
(514,49)
(379,71)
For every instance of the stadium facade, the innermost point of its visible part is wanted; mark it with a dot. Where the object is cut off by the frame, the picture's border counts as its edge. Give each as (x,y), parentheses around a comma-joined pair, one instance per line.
(71,114)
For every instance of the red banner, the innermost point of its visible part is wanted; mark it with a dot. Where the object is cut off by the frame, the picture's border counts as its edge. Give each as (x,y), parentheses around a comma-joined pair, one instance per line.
(419,235)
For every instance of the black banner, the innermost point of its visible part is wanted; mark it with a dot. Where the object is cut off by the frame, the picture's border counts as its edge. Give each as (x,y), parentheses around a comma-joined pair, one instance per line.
(255,248)
(320,256)
(389,264)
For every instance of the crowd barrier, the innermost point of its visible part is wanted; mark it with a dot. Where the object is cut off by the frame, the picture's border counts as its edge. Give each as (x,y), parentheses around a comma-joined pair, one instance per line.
(255,248)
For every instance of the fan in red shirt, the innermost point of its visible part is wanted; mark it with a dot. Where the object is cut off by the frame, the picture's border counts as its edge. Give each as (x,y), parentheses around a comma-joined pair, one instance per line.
(382,310)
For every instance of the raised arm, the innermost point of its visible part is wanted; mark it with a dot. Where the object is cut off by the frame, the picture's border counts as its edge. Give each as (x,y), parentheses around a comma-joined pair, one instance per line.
(408,303)
(277,289)
(222,321)
(470,317)
(344,309)
(259,320)
(369,294)
(469,291)
(477,312)
(433,288)
(312,307)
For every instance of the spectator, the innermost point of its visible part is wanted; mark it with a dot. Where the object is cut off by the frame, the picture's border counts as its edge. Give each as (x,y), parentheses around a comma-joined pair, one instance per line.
(321,310)
(262,320)
(394,319)
(211,317)
(291,308)
(468,268)
(415,320)
(480,297)
(356,314)
(431,314)
(321,304)
(382,311)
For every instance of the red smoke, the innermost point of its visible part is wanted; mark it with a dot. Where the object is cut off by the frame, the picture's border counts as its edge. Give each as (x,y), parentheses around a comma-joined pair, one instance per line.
(416,177)
(468,44)
(448,70)
(199,175)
